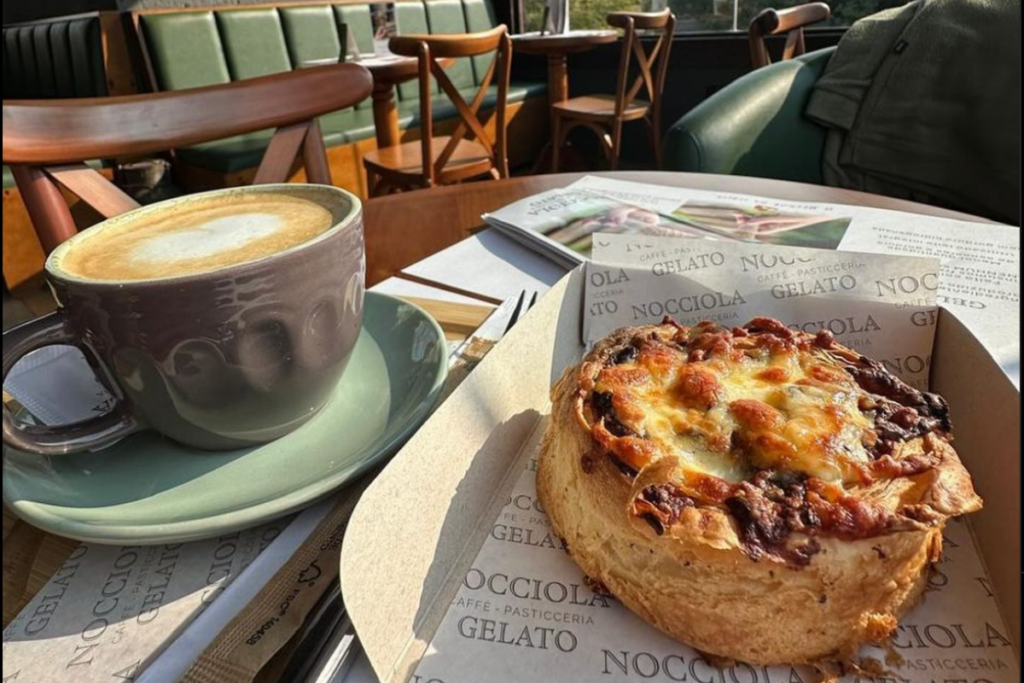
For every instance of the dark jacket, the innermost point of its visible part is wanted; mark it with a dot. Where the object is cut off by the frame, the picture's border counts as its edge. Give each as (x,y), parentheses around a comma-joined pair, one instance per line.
(923,102)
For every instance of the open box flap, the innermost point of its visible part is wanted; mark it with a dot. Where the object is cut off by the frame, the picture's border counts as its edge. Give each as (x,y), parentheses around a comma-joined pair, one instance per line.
(444,497)
(440,495)
(985,407)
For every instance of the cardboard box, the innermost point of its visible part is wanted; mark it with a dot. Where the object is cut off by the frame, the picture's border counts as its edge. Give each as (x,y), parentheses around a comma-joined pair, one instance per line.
(421,524)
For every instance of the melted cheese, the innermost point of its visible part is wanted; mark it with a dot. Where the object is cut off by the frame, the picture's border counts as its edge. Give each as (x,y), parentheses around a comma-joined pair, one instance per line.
(752,409)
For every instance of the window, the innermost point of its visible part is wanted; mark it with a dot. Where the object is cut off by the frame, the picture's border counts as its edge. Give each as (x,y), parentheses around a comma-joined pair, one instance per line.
(700,15)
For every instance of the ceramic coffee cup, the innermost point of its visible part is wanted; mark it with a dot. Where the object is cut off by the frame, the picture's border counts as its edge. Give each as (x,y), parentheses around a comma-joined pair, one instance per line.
(221,320)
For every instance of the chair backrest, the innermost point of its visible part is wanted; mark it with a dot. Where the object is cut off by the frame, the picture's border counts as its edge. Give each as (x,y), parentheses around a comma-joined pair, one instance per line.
(431,48)
(651,64)
(46,142)
(789,21)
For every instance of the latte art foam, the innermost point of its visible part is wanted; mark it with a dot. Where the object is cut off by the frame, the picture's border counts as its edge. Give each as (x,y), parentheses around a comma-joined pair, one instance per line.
(198,237)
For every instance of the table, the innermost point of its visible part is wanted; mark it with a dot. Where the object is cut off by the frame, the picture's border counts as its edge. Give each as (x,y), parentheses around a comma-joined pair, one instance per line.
(501,268)
(404,229)
(489,263)
(557,47)
(31,556)
(387,73)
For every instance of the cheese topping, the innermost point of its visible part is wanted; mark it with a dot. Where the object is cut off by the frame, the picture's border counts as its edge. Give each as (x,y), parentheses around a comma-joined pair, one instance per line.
(756,409)
(732,403)
(777,428)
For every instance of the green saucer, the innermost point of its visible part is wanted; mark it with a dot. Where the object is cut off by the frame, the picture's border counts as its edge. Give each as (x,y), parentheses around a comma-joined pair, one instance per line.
(148,489)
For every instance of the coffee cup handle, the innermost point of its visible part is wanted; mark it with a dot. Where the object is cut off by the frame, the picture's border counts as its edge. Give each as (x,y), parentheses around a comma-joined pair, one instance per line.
(91,434)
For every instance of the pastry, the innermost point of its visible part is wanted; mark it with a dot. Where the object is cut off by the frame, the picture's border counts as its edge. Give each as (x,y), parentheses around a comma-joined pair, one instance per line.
(760,494)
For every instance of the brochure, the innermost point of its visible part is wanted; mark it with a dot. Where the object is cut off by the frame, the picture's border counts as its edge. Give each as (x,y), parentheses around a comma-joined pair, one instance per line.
(561,224)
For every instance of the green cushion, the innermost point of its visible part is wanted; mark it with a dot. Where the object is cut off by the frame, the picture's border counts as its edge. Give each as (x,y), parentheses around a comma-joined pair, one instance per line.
(444,109)
(480,16)
(245,43)
(353,125)
(755,126)
(253,42)
(411,17)
(8,178)
(311,33)
(446,16)
(246,151)
(359,24)
(185,49)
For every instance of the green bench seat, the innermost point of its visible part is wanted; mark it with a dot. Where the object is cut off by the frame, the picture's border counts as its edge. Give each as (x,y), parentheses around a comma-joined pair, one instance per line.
(8,178)
(190,49)
(246,151)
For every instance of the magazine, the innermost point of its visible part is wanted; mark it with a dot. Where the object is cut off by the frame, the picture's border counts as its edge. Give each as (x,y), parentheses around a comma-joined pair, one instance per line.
(561,224)
(979,281)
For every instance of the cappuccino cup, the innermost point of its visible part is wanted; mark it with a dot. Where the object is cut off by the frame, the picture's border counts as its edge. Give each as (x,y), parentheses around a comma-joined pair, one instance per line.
(221,320)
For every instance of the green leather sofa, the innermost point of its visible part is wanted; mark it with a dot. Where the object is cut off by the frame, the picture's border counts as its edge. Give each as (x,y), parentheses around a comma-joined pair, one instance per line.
(755,126)
(193,48)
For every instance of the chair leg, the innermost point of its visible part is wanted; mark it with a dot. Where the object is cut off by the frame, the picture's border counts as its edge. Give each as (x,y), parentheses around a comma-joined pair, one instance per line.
(556,143)
(371,183)
(616,145)
(659,153)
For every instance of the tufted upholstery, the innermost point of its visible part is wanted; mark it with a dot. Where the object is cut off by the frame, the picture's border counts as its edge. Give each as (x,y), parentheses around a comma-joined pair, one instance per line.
(54,60)
(195,48)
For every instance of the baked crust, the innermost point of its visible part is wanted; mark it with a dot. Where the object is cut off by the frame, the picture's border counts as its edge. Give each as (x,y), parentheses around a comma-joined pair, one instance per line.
(772,559)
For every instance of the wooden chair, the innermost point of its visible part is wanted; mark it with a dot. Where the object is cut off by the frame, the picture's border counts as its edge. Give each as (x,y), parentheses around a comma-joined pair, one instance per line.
(468,152)
(790,21)
(606,114)
(46,141)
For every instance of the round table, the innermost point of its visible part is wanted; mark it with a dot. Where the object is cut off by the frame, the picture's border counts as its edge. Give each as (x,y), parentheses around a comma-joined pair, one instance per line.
(387,73)
(557,48)
(406,228)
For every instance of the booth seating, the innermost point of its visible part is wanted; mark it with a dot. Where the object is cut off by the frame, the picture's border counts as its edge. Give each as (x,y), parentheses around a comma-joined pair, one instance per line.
(79,56)
(755,126)
(190,48)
